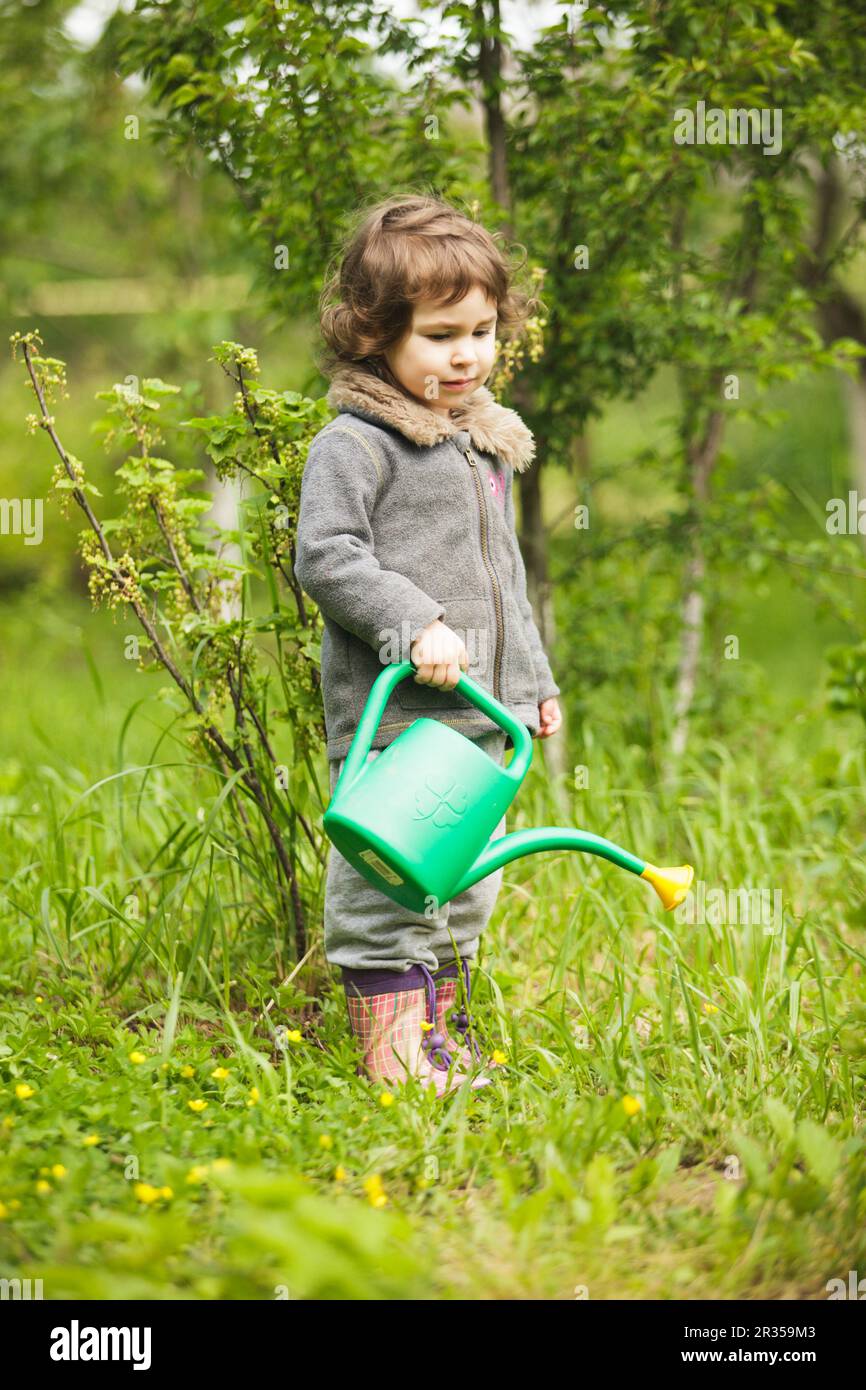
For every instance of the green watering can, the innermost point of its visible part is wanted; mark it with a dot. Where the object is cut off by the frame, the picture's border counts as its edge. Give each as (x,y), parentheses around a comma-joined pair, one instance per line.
(416,821)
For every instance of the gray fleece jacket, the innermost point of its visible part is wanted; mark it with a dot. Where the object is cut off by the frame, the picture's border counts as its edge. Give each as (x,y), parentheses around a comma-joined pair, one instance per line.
(406,516)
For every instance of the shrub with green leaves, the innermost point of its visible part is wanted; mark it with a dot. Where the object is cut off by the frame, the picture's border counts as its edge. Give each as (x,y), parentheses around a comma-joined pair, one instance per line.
(194,604)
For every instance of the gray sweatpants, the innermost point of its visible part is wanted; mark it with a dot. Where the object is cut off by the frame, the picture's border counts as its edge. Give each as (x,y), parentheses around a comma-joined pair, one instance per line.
(366,930)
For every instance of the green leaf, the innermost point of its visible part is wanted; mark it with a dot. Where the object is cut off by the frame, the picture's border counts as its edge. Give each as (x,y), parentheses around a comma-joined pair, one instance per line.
(823,1153)
(182,96)
(754,1161)
(170,1025)
(780,1118)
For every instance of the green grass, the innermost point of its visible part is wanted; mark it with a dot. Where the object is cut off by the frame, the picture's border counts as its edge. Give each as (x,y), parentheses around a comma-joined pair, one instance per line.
(127,927)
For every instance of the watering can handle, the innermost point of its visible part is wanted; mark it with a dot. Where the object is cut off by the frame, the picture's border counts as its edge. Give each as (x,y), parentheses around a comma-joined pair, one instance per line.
(378,698)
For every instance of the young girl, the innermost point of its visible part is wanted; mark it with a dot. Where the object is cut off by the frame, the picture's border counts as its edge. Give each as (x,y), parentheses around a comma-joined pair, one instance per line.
(406,542)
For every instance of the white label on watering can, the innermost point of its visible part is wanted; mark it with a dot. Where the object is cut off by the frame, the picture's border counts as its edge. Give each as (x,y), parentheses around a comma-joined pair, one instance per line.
(384,870)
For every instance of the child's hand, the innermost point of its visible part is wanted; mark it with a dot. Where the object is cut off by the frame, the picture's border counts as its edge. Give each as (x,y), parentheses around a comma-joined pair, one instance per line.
(550,717)
(439,654)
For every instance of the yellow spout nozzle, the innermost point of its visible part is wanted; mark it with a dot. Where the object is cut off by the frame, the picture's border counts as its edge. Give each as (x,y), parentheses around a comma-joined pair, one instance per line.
(672,885)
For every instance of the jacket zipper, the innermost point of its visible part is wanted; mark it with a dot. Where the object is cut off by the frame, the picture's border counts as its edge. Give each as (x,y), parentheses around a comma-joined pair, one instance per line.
(485,553)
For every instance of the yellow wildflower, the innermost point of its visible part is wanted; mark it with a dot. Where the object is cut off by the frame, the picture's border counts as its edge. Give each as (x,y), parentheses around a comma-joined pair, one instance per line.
(294,1035)
(42,1186)
(340,1174)
(220,1073)
(58,1170)
(254,1096)
(137,1058)
(375,1193)
(39,999)
(197,1173)
(325,1141)
(166,1193)
(145,1193)
(631,1105)
(187,1070)
(89,1140)
(710,1008)
(425,1026)
(4,1211)
(220,1163)
(386,1098)
(197,1105)
(23,1091)
(499,1057)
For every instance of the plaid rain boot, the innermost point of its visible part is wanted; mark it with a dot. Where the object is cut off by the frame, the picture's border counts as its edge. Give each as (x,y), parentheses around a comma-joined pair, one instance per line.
(386,1012)
(448,1010)
(442,1050)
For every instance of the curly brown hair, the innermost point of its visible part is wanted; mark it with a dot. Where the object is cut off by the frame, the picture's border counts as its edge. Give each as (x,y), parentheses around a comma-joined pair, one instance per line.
(402,250)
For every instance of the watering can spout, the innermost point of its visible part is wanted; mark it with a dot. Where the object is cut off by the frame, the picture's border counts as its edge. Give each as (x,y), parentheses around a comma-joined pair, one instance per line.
(671,884)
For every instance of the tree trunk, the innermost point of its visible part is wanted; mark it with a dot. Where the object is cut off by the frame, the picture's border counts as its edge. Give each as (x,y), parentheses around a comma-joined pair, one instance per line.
(490,74)
(839,314)
(702,448)
(855,395)
(224,513)
(702,461)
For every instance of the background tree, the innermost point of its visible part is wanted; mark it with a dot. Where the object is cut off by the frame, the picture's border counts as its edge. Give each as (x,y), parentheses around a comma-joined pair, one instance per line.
(579,164)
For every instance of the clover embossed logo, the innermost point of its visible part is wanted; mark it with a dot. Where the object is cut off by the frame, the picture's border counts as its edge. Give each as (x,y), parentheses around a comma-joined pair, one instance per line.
(441,807)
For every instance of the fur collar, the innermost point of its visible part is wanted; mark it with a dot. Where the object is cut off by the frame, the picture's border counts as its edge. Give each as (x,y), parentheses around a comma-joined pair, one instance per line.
(493,428)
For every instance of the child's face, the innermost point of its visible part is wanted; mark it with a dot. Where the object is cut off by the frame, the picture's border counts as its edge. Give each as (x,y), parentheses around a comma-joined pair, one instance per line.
(448,351)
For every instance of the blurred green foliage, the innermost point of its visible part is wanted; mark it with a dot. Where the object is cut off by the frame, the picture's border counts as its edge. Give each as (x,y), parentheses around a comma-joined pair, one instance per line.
(681,1111)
